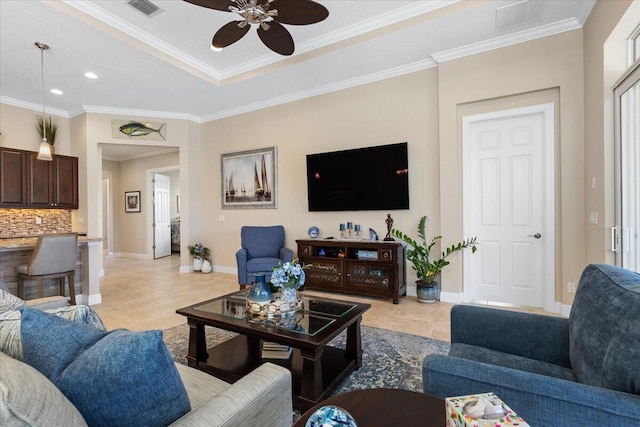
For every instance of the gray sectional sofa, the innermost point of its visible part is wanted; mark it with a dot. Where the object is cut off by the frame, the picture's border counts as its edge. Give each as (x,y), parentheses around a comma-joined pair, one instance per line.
(262,398)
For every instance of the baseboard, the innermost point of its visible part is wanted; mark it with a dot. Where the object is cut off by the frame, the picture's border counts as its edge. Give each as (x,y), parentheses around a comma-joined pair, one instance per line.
(565,310)
(225,269)
(451,297)
(186,268)
(131,255)
(89,299)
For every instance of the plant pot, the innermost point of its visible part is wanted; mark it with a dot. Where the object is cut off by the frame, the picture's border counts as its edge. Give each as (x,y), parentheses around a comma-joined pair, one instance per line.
(206,266)
(197,264)
(427,292)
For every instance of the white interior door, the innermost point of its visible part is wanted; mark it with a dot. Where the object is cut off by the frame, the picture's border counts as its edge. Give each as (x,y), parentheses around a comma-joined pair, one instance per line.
(509,206)
(161,215)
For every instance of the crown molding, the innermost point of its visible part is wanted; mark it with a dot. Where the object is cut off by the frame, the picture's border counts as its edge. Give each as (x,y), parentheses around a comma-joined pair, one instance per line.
(504,41)
(144,37)
(34,107)
(397,15)
(583,13)
(140,113)
(333,87)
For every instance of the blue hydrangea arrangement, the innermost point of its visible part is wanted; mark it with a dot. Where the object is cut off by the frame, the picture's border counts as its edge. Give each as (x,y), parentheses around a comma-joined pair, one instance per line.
(288,275)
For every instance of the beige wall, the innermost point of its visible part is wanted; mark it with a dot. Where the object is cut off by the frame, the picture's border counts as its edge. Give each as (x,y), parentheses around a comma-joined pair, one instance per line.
(395,110)
(17,126)
(552,62)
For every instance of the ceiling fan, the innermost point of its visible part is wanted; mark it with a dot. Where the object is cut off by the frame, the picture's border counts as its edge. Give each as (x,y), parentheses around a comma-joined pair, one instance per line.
(269,15)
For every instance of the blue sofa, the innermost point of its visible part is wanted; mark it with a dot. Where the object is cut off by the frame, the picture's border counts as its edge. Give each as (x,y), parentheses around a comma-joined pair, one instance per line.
(262,249)
(580,371)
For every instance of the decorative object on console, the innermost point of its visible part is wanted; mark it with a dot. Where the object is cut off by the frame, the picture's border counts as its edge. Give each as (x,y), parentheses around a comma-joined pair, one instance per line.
(331,416)
(342,231)
(46,128)
(249,179)
(389,222)
(373,236)
(428,271)
(132,202)
(313,232)
(268,15)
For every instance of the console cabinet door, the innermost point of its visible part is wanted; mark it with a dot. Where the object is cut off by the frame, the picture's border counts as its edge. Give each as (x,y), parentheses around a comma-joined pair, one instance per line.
(371,278)
(324,274)
(39,182)
(65,182)
(13,165)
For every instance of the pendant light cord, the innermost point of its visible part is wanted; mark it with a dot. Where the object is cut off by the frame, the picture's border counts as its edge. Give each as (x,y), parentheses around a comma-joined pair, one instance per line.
(42,48)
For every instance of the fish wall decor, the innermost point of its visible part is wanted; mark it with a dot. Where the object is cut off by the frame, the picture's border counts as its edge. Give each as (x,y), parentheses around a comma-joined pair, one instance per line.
(132,129)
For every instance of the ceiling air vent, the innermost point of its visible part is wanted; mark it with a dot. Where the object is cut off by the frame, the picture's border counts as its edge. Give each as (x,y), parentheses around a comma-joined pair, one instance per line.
(145,7)
(517,14)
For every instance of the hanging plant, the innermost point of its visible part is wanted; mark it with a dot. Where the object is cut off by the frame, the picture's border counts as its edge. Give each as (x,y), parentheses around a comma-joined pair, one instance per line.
(47,128)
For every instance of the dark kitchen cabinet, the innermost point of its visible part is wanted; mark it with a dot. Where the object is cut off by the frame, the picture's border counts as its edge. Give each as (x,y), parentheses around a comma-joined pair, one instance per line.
(26,182)
(13,169)
(52,184)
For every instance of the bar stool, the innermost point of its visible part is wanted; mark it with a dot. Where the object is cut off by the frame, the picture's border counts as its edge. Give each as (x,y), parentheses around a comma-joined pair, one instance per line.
(54,257)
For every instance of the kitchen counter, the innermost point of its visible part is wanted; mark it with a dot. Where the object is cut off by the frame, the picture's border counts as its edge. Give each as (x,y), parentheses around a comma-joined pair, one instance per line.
(16,251)
(22,243)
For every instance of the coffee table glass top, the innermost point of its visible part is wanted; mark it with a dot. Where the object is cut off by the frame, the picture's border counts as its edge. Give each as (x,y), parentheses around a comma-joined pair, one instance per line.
(316,315)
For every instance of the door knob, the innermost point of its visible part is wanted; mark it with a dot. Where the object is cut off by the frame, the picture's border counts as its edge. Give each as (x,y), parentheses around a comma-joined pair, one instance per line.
(537,235)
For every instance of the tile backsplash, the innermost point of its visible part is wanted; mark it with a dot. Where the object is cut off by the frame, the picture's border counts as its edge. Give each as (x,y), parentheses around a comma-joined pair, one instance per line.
(31,222)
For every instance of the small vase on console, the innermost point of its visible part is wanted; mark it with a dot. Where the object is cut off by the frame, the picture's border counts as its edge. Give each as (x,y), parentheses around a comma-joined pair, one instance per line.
(197,264)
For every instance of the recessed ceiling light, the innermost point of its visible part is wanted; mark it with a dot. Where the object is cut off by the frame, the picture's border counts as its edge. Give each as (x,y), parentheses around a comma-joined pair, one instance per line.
(90,75)
(56,91)
(216,49)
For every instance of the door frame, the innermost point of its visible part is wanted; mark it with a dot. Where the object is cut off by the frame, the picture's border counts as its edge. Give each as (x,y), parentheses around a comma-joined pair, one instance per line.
(548,112)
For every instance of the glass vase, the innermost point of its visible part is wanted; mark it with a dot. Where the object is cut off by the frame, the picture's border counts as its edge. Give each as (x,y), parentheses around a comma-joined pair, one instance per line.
(259,291)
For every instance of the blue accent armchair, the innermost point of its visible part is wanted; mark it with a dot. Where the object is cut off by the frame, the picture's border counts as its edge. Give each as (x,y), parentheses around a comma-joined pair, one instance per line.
(580,371)
(262,249)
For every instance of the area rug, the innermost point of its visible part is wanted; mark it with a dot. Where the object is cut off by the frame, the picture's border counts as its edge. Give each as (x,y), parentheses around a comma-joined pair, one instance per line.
(389,360)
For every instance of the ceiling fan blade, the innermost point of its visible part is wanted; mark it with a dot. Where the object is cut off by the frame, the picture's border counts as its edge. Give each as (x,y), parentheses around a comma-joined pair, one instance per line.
(213,4)
(299,12)
(277,38)
(229,34)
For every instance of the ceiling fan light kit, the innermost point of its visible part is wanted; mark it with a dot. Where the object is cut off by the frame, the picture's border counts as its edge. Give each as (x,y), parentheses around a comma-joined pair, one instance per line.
(268,15)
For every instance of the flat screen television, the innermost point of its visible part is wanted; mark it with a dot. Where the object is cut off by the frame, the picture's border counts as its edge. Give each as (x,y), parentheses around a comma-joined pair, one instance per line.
(371,178)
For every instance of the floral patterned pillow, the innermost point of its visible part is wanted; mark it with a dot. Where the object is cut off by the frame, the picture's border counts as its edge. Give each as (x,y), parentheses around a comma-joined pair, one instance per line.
(10,342)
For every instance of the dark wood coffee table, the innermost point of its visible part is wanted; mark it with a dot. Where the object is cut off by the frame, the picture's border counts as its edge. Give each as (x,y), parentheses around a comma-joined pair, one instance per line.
(386,407)
(316,367)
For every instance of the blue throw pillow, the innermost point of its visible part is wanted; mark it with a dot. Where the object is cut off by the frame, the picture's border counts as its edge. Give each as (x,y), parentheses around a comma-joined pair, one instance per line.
(117,378)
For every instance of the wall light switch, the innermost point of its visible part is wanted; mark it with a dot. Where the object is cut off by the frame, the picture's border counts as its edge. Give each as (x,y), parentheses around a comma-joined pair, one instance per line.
(593,218)
(38,220)
(81,220)
(221,218)
(571,287)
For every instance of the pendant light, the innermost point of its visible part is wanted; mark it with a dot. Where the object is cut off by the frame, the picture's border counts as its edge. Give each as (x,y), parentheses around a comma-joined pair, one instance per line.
(45,149)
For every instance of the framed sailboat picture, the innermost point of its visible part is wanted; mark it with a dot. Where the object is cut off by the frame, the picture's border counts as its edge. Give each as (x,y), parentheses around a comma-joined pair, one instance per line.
(249,179)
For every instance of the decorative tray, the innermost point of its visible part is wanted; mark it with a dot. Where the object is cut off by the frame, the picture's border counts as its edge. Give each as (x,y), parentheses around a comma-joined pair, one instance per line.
(274,309)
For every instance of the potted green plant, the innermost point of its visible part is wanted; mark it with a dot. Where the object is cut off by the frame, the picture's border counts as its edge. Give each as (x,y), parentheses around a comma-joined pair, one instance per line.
(47,128)
(428,270)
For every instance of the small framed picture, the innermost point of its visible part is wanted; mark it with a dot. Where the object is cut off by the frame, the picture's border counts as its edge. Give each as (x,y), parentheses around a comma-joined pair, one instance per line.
(132,201)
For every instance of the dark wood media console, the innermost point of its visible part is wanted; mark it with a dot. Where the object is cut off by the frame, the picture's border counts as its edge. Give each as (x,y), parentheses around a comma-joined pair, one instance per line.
(359,267)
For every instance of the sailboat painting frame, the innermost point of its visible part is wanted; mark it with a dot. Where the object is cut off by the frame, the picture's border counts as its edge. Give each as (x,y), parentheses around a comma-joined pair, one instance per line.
(250,179)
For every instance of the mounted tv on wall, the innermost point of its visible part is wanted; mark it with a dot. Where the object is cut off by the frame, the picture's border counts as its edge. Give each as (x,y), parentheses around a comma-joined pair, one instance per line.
(371,178)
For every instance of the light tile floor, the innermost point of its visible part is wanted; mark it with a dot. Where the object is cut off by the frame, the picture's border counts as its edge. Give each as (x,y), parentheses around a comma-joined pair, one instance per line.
(144,294)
